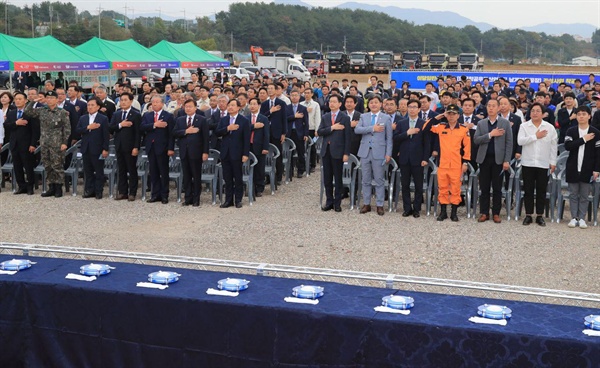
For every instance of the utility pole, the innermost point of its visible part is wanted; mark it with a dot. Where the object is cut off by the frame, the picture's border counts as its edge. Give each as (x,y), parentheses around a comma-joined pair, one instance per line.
(481,46)
(32,26)
(526,46)
(125,17)
(184,21)
(50,10)
(344,44)
(231,41)
(6,16)
(99,19)
(424,45)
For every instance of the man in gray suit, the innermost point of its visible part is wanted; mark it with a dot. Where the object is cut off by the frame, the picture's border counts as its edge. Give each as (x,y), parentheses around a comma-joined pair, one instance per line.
(495,141)
(374,152)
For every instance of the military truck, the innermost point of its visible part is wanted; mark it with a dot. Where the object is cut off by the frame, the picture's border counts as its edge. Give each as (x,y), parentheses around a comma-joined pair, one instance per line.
(470,61)
(383,61)
(339,62)
(360,62)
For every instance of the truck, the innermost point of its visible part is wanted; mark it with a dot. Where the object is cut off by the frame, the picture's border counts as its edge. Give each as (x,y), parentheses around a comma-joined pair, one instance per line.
(339,62)
(383,61)
(411,60)
(452,63)
(310,56)
(470,61)
(291,67)
(360,62)
(438,61)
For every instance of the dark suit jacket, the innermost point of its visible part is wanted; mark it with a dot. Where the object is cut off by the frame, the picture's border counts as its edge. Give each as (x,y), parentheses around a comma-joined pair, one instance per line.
(126,138)
(74,116)
(278,119)
(475,120)
(591,155)
(161,139)
(93,141)
(80,106)
(596,120)
(301,123)
(20,85)
(337,140)
(565,121)
(110,109)
(191,146)
(21,137)
(236,143)
(412,151)
(354,138)
(262,136)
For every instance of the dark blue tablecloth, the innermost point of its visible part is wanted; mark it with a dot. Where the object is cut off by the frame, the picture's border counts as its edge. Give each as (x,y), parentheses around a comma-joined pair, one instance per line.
(49,321)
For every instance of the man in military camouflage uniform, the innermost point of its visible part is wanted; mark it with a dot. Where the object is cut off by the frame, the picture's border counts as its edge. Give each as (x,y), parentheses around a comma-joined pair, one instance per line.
(55,129)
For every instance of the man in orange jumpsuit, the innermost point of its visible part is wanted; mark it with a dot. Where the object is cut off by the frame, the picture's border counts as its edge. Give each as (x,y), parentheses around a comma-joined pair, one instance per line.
(454,138)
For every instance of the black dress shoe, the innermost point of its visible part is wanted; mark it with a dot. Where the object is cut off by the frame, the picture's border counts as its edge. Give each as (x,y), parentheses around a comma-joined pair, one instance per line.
(226,205)
(21,190)
(152,200)
(407,213)
(121,197)
(131,198)
(99,196)
(299,176)
(416,214)
(164,201)
(327,207)
(186,203)
(338,209)
(238,205)
(30,191)
(89,195)
(258,194)
(540,221)
(196,204)
(527,220)
(278,183)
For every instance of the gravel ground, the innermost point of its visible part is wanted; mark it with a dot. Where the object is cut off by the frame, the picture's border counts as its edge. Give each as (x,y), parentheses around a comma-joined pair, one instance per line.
(289,228)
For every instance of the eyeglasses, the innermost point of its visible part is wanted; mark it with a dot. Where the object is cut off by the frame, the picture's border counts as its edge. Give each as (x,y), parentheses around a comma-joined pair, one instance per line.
(413,107)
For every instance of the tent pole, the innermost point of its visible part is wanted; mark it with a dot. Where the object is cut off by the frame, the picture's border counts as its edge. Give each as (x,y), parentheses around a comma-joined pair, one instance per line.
(10,79)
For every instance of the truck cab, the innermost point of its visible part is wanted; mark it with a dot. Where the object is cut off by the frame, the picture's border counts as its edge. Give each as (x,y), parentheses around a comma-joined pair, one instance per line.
(470,61)
(438,61)
(339,62)
(291,67)
(360,62)
(383,61)
(411,59)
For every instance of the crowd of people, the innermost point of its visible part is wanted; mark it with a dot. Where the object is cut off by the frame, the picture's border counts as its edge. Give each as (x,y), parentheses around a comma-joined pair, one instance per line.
(484,125)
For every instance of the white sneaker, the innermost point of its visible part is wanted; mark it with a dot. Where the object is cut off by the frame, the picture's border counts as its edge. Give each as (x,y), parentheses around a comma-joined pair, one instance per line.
(573,223)
(582,224)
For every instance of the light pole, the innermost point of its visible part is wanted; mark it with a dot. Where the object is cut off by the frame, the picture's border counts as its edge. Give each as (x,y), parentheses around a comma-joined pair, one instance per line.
(99,19)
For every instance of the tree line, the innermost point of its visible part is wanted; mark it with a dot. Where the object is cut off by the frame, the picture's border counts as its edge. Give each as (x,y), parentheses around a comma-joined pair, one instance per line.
(295,28)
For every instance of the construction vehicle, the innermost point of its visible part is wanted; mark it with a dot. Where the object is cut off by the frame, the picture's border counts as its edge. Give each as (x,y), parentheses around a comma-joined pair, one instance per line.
(284,54)
(310,56)
(452,63)
(291,67)
(438,61)
(255,52)
(411,60)
(470,61)
(383,61)
(339,62)
(360,62)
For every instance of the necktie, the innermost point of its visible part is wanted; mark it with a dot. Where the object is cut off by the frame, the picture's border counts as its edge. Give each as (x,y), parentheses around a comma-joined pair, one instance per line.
(271,103)
(189,123)
(373,118)
(19,114)
(332,119)
(295,109)
(252,135)
(155,117)
(124,115)
(467,118)
(222,114)
(231,120)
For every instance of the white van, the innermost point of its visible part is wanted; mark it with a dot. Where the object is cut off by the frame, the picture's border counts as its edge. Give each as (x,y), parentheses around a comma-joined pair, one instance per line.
(178,75)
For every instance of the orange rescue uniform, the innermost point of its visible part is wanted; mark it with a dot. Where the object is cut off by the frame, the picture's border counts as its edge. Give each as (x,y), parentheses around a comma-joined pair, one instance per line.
(452,141)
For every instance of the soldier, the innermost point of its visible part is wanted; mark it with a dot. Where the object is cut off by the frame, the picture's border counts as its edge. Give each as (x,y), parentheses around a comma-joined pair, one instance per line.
(55,129)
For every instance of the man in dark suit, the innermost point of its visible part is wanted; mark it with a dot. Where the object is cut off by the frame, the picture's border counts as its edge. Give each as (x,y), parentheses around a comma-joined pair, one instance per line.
(191,131)
(74,116)
(259,144)
(360,102)
(93,128)
(566,116)
(335,130)
(469,119)
(393,91)
(515,124)
(235,150)
(158,126)
(73,98)
(124,80)
(354,115)
(217,114)
(297,128)
(24,134)
(221,77)
(274,109)
(125,127)
(390,107)
(20,80)
(414,147)
(108,106)
(425,114)
(494,141)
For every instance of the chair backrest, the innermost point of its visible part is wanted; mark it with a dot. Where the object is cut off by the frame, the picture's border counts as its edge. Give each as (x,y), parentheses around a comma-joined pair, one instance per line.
(110,162)
(142,163)
(561,148)
(272,155)
(349,166)
(174,165)
(249,164)
(288,147)
(210,166)
(318,144)
(5,147)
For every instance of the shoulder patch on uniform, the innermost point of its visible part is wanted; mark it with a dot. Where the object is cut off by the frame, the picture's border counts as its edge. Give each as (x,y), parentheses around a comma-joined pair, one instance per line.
(598,143)
(568,138)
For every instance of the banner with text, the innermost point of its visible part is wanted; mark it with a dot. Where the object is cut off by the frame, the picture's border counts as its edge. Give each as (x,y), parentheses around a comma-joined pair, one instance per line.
(418,79)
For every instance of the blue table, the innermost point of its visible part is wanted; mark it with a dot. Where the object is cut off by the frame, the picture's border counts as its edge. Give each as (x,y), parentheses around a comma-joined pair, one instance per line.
(49,321)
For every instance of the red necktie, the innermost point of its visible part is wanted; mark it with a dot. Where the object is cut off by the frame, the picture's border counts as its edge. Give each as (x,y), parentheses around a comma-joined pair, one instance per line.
(332,119)
(189,123)
(252,135)
(155,117)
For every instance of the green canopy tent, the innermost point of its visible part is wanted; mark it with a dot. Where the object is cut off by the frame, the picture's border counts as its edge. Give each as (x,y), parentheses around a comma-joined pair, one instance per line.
(45,55)
(190,55)
(127,54)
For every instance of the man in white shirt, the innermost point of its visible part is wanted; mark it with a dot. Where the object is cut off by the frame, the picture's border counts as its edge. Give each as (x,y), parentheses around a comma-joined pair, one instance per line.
(314,120)
(539,142)
(429,91)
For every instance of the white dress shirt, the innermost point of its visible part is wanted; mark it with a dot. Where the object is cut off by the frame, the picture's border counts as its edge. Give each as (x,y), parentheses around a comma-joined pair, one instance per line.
(538,152)
(581,150)
(314,116)
(92,118)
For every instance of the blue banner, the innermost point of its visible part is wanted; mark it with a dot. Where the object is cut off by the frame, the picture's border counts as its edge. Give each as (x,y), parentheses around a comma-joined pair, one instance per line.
(418,79)
(4,65)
